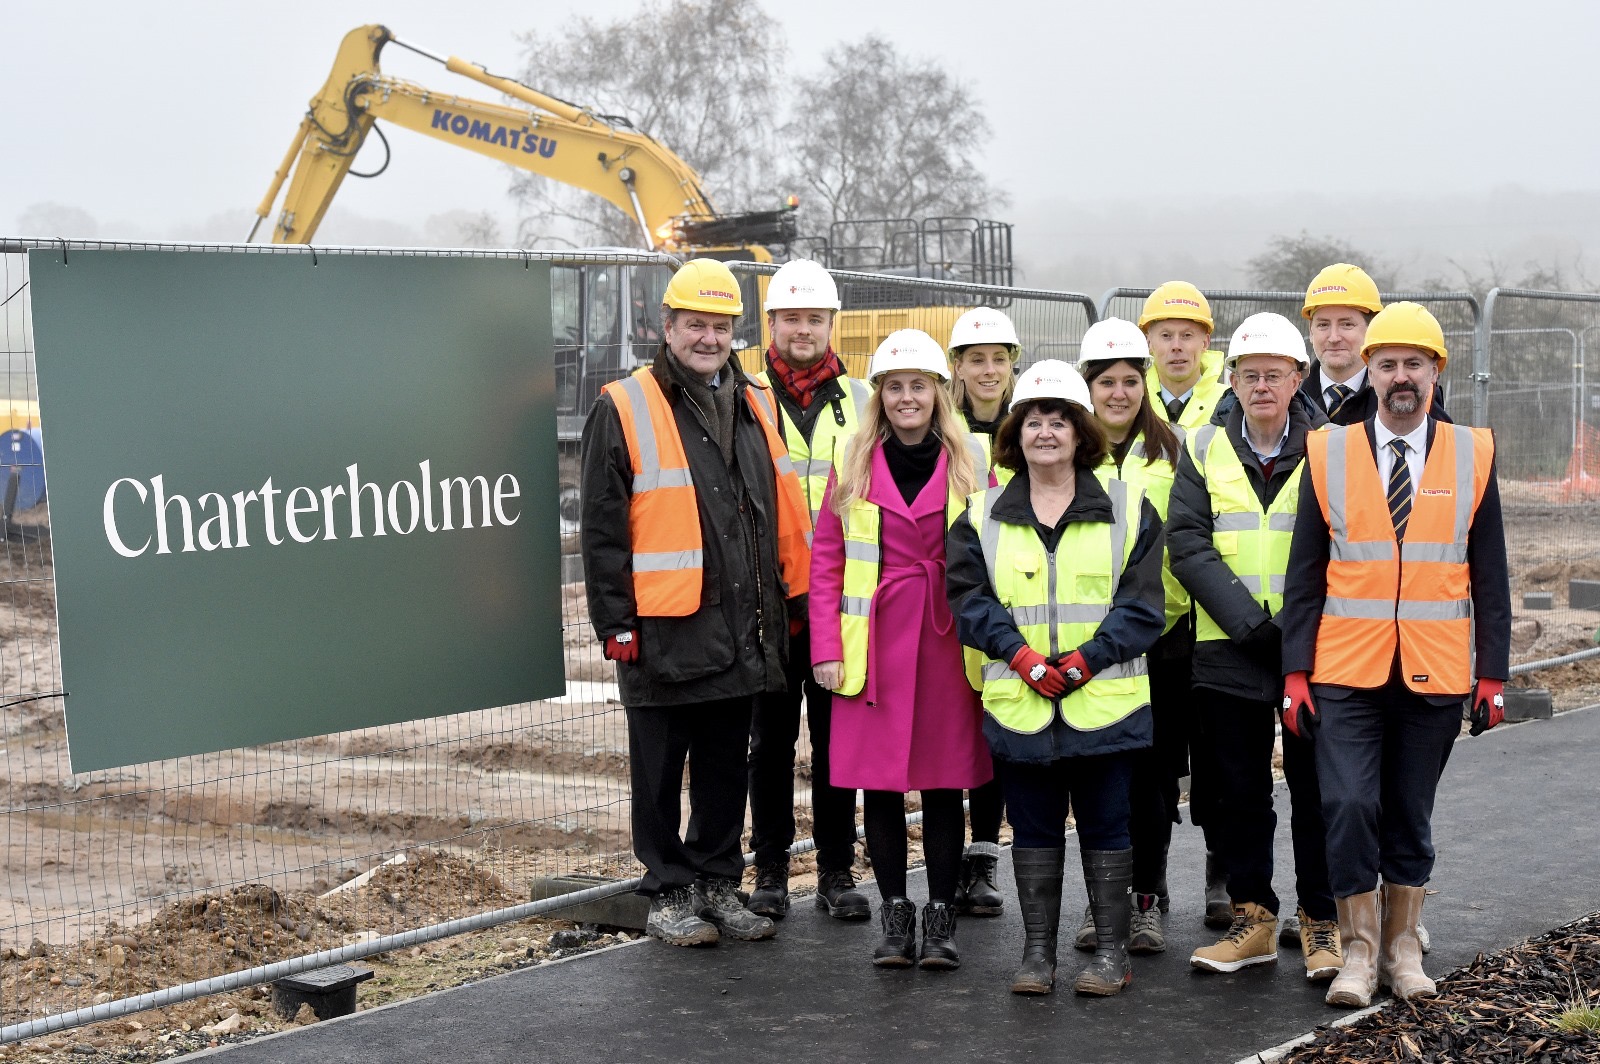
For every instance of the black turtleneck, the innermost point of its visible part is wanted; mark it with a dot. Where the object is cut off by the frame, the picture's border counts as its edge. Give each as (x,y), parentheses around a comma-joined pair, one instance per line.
(911,464)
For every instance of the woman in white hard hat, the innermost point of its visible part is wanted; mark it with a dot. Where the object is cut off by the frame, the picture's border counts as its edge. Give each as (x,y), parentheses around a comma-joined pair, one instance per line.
(1144,451)
(1056,579)
(983,356)
(905,716)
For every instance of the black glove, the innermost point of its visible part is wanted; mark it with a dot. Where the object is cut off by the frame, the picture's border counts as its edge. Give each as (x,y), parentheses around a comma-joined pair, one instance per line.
(1264,645)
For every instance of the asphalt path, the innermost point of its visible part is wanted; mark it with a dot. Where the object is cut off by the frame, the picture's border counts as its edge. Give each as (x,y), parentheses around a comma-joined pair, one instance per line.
(1519,853)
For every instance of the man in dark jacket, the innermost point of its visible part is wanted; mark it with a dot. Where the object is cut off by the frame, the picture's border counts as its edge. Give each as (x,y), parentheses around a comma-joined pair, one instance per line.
(1229,523)
(697,634)
(1340,301)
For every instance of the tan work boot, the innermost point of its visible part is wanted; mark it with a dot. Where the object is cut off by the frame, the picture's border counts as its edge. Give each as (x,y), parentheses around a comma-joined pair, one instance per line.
(1401,970)
(1319,944)
(1357,980)
(1252,939)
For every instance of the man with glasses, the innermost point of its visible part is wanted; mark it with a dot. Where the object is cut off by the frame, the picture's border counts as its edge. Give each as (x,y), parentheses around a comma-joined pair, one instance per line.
(1229,525)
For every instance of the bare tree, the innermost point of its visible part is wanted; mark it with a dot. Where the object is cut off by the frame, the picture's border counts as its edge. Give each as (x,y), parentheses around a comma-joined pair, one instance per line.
(1290,262)
(881,135)
(696,75)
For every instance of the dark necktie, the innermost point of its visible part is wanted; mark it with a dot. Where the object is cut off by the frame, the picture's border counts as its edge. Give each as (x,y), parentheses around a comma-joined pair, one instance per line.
(1339,394)
(1175,409)
(1399,489)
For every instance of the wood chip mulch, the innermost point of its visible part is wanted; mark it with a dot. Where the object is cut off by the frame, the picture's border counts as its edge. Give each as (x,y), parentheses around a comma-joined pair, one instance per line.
(1502,1008)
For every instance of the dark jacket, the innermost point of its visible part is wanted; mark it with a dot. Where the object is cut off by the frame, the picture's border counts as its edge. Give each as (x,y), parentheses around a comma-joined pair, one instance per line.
(1130,629)
(736,643)
(1306,584)
(1363,404)
(1246,663)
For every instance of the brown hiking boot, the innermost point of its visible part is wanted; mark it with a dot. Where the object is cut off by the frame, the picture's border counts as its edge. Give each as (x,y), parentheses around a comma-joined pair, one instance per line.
(1252,939)
(1319,944)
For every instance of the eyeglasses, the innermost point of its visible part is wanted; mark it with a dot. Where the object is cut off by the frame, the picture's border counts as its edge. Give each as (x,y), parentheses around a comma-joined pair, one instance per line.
(1252,377)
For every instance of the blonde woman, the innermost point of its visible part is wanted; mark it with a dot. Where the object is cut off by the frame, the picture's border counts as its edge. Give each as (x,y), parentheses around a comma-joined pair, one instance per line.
(905,715)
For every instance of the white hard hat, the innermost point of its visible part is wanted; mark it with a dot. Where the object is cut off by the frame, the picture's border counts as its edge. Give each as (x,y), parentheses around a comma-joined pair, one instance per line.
(1267,334)
(802,285)
(1051,378)
(1114,339)
(908,349)
(983,325)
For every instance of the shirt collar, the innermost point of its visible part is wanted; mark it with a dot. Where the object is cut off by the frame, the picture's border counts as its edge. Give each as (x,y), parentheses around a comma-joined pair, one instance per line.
(1167,397)
(1416,439)
(1244,430)
(1354,383)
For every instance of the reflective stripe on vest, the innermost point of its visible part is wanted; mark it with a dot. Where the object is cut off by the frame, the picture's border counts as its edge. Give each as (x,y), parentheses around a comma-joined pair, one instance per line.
(1253,541)
(863,564)
(1383,597)
(1155,479)
(663,514)
(1057,600)
(814,458)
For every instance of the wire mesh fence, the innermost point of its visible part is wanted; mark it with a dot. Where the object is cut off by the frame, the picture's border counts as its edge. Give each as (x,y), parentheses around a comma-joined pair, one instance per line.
(134,881)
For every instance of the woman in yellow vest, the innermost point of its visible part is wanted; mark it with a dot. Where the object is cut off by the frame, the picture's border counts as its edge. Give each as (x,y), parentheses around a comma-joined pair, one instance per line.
(983,357)
(905,716)
(1144,451)
(1056,579)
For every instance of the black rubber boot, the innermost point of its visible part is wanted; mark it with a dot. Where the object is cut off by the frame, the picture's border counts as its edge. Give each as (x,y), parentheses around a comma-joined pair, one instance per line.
(1109,876)
(977,895)
(939,936)
(898,946)
(1038,873)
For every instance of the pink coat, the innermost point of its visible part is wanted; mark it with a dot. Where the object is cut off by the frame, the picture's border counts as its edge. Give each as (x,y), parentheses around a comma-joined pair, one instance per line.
(917,724)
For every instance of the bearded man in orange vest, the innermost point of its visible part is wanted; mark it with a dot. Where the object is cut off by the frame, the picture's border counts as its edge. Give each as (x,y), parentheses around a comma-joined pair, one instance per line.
(1396,611)
(696,556)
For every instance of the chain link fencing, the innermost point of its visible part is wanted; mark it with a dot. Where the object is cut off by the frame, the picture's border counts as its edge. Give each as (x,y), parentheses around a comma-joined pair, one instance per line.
(1544,407)
(145,886)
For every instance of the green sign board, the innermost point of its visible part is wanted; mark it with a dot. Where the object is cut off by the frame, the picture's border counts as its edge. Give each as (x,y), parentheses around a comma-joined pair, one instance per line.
(295,494)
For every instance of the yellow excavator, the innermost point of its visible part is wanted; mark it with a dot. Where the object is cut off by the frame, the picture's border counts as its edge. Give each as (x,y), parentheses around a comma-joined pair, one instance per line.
(605,315)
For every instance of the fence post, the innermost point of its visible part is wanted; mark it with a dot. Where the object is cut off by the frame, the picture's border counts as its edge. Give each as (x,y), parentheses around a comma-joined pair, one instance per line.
(1480,362)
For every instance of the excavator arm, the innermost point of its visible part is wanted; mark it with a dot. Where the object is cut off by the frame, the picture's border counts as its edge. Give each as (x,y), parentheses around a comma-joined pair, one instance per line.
(548,136)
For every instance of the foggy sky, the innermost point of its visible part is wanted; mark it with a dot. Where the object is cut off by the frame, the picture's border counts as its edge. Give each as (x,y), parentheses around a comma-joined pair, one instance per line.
(1153,133)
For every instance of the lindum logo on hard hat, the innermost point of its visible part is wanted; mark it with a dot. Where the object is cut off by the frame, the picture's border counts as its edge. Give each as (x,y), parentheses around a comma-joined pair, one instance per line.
(1180,301)
(1327,288)
(719,293)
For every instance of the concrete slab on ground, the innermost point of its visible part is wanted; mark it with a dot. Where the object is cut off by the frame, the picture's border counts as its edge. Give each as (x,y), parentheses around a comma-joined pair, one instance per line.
(1519,853)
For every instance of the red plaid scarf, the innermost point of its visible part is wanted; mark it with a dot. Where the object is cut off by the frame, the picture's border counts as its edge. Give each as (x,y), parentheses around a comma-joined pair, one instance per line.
(802,384)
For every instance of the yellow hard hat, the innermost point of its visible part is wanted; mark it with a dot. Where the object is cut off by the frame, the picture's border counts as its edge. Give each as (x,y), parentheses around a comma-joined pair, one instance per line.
(705,285)
(1342,285)
(1405,324)
(1177,299)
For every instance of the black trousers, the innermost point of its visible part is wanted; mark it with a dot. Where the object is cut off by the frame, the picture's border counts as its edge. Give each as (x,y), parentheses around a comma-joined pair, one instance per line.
(986,807)
(884,813)
(773,734)
(1157,769)
(713,738)
(1242,732)
(1094,788)
(1379,754)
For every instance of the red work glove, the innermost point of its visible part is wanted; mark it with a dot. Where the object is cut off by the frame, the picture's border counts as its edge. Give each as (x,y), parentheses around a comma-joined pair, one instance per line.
(1488,705)
(1038,673)
(1072,666)
(1299,712)
(624,646)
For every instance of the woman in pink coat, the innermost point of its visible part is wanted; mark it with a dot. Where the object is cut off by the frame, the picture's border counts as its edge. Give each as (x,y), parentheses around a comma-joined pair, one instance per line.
(905,716)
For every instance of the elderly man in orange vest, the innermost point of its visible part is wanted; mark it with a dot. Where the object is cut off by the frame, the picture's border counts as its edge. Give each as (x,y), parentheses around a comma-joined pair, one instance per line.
(1396,610)
(695,554)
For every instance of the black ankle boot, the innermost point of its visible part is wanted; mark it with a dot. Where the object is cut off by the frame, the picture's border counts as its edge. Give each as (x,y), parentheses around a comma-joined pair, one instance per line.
(898,947)
(977,895)
(1109,876)
(1038,873)
(939,936)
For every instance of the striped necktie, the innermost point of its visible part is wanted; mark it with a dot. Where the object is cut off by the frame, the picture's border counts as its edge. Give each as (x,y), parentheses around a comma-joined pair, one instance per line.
(1175,409)
(1338,395)
(1399,488)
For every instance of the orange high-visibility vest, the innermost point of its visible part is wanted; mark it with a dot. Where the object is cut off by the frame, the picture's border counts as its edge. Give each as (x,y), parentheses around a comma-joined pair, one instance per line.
(1382,593)
(663,518)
